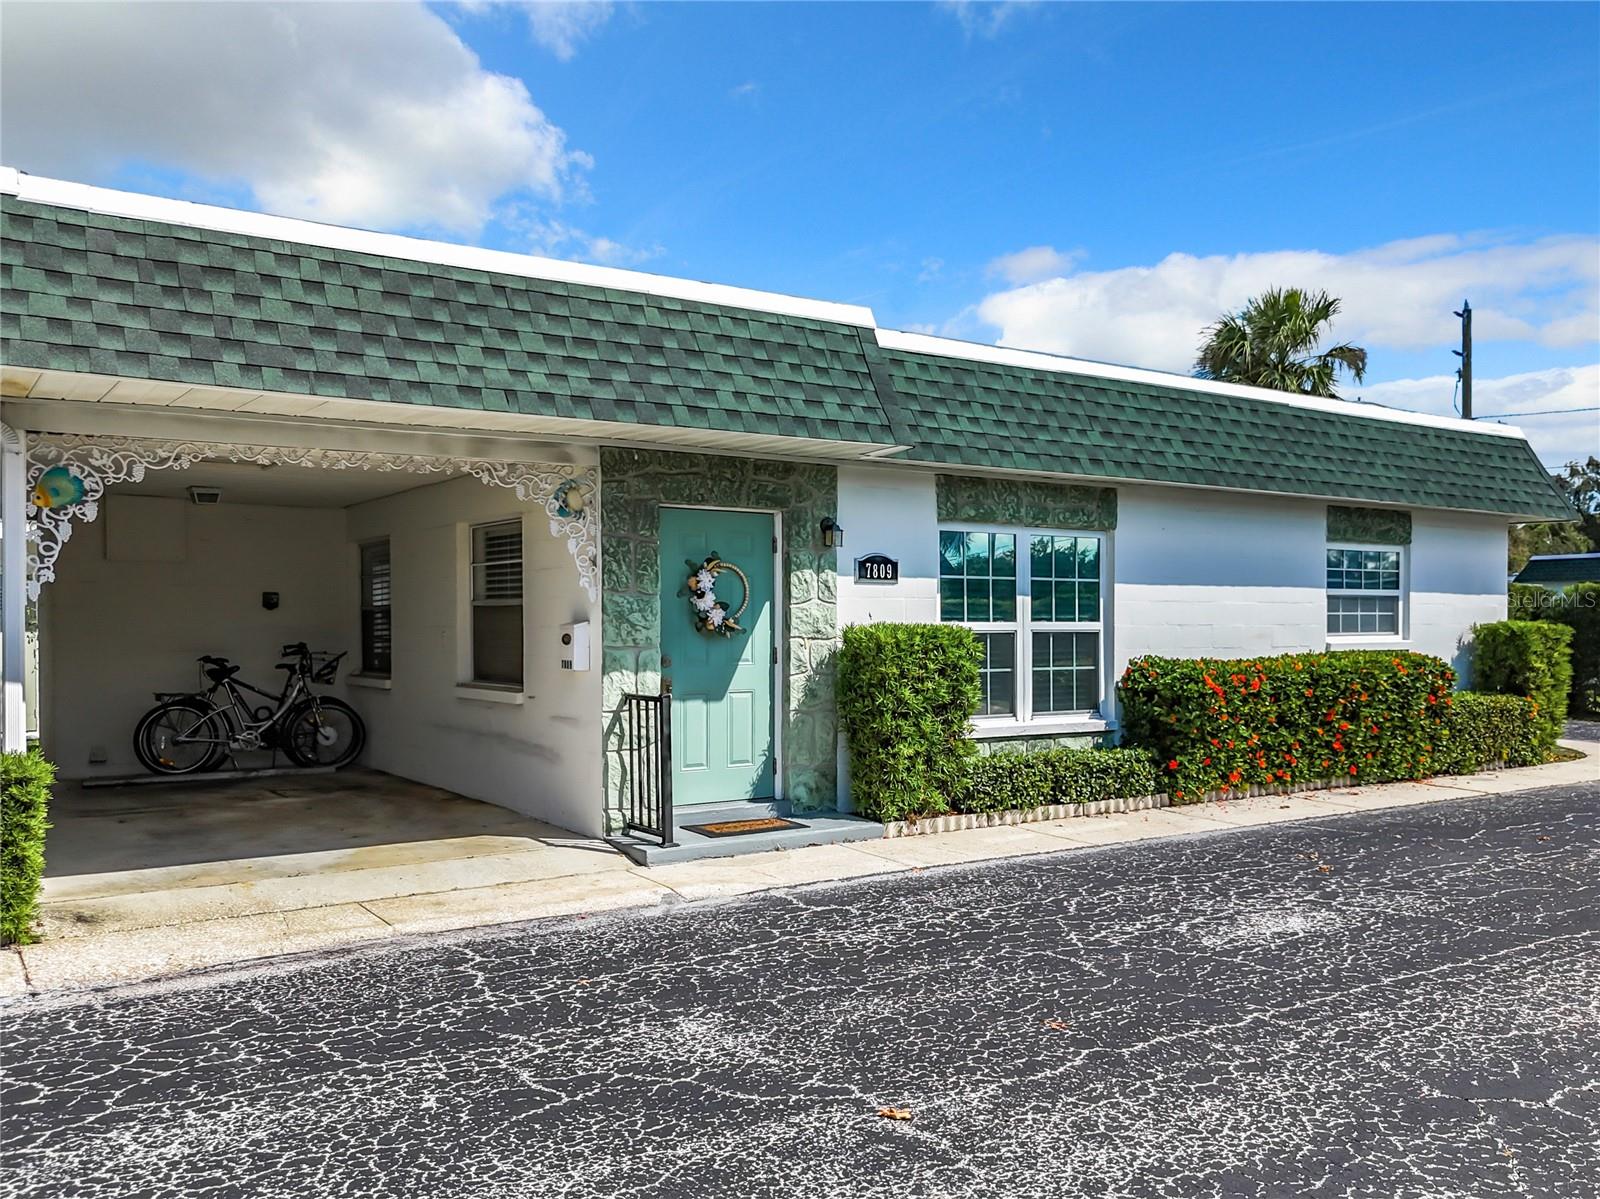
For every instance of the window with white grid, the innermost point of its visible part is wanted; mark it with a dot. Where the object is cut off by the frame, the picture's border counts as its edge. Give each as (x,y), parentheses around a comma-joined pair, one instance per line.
(497,603)
(1366,590)
(1034,599)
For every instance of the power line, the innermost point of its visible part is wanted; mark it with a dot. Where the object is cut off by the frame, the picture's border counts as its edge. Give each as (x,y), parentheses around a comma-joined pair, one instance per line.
(1541,412)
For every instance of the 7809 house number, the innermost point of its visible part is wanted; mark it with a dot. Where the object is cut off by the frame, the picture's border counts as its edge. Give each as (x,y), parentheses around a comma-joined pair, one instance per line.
(877,568)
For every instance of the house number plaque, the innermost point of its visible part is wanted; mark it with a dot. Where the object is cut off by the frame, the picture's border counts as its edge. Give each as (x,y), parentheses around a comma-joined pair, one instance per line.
(877,568)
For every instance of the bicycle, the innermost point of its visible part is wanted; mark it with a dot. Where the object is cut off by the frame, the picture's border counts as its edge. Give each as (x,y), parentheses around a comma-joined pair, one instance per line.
(190,732)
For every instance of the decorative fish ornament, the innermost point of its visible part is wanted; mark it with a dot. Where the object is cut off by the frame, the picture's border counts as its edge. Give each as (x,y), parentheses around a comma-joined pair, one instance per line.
(57,488)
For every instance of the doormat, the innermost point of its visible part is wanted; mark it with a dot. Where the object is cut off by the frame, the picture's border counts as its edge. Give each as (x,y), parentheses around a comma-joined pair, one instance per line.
(739,828)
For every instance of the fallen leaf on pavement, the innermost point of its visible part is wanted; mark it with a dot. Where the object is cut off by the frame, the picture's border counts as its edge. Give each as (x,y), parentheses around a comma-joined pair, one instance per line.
(1058,1025)
(1543,838)
(895,1113)
(1324,869)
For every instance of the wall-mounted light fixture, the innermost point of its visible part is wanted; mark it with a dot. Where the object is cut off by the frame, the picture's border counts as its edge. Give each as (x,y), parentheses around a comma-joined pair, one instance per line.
(832,532)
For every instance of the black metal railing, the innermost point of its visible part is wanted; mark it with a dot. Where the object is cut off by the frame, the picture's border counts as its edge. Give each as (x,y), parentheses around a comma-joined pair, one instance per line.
(647,747)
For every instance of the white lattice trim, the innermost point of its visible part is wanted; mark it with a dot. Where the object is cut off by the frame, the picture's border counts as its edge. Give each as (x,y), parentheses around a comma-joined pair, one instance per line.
(100,461)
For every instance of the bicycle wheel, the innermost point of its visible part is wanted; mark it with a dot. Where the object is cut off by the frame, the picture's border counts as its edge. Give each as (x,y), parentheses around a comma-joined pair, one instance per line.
(180,736)
(324,732)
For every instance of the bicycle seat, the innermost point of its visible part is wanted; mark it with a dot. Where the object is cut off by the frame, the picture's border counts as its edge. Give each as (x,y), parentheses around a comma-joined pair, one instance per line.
(222,671)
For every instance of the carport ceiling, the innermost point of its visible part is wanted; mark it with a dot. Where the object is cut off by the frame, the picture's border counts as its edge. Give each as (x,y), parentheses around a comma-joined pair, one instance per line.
(283,486)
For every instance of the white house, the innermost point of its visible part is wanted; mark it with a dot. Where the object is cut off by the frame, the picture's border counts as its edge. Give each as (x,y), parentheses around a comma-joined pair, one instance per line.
(489,477)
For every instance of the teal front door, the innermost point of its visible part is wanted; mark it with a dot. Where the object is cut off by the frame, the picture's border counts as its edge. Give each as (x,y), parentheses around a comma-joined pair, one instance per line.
(722,737)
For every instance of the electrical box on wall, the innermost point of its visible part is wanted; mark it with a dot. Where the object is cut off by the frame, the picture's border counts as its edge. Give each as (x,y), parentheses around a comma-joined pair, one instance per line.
(575,646)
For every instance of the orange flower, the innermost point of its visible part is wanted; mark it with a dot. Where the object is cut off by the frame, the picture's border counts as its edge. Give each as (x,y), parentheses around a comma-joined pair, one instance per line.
(1172,765)
(1233,776)
(1352,770)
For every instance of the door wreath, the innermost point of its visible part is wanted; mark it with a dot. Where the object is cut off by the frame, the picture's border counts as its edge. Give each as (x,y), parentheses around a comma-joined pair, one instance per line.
(713,616)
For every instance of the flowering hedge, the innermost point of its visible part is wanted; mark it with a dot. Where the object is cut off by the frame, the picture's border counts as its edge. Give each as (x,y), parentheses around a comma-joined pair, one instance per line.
(1223,726)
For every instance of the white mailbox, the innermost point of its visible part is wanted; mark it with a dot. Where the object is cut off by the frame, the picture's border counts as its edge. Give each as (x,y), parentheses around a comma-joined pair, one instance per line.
(575,646)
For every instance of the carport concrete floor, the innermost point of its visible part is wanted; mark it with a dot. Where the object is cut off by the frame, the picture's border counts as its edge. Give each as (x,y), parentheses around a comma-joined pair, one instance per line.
(296,854)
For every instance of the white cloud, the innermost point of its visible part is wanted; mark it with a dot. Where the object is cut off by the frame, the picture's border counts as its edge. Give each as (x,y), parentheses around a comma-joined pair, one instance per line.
(745,90)
(559,25)
(985,18)
(1397,295)
(367,114)
(1554,399)
(930,270)
(1031,265)
(556,239)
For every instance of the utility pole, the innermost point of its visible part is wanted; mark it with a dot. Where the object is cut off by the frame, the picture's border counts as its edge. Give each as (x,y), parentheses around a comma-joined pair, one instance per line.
(1465,354)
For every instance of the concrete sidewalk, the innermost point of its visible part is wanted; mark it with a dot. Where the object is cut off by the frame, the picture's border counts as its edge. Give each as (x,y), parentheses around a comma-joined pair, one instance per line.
(125,945)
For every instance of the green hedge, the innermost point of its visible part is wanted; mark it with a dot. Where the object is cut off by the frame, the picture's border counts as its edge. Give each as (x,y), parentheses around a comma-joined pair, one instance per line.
(1002,782)
(1485,730)
(25,780)
(1531,658)
(907,693)
(1218,725)
(1579,609)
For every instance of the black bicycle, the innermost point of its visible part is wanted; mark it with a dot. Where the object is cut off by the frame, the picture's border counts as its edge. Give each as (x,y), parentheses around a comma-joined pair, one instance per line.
(190,732)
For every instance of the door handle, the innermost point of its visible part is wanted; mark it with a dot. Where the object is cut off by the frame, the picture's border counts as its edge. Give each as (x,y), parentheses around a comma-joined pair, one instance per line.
(666,662)
(666,685)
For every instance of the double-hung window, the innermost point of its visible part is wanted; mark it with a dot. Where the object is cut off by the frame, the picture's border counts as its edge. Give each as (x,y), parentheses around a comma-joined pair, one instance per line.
(497,603)
(1365,590)
(1035,600)
(377,632)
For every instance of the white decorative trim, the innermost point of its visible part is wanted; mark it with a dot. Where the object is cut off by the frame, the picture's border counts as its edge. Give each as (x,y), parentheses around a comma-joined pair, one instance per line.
(955,822)
(41,190)
(971,351)
(99,461)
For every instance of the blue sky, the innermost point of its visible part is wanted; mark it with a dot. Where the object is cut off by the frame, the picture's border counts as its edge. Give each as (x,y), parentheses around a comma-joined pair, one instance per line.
(1093,179)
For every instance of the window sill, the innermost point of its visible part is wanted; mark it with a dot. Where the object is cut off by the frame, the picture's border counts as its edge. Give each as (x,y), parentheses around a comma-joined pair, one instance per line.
(378,682)
(490,693)
(1072,726)
(1362,640)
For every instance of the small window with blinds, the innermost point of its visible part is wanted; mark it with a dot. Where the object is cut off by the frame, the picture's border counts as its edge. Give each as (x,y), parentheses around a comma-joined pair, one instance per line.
(497,603)
(377,632)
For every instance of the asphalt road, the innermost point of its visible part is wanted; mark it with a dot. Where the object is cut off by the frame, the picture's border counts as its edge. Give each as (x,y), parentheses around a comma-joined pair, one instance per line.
(1399,1004)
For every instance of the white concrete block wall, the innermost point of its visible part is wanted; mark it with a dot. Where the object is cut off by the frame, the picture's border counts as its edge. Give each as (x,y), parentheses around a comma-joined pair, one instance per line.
(1214,574)
(114,631)
(540,756)
(1194,572)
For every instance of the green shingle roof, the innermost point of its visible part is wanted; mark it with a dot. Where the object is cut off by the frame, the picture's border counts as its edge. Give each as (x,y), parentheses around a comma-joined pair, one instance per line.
(1012,418)
(115,296)
(1561,568)
(101,294)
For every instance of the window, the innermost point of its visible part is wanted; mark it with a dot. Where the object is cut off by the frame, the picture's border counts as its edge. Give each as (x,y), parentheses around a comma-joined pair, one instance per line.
(376,631)
(1364,591)
(1042,651)
(497,603)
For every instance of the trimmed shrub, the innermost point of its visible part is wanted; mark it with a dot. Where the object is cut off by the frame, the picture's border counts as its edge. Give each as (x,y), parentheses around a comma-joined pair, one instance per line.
(25,780)
(1484,730)
(1223,726)
(1002,782)
(1531,658)
(1579,609)
(907,693)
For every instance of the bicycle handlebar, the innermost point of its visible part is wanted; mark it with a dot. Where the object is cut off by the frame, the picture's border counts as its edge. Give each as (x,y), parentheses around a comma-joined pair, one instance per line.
(298,649)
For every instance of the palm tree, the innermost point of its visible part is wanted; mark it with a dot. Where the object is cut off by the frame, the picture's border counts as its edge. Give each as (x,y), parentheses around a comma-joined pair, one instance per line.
(1272,341)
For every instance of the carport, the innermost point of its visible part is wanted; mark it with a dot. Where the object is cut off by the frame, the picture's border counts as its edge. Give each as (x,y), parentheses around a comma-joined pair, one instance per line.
(173,854)
(249,534)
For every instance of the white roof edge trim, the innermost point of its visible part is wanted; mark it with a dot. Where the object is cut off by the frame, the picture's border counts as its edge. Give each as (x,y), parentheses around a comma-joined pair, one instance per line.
(947,347)
(64,194)
(1563,557)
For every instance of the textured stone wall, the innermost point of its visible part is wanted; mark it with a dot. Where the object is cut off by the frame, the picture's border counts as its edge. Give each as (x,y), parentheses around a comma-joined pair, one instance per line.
(634,484)
(1372,526)
(1025,502)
